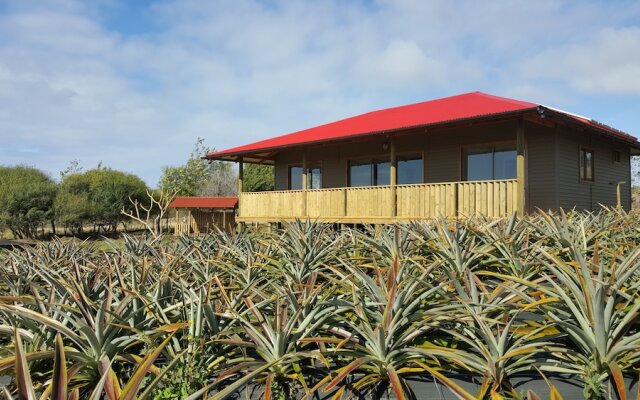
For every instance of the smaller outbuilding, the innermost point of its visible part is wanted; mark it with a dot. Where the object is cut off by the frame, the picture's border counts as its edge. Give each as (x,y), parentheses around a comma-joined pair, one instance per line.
(196,215)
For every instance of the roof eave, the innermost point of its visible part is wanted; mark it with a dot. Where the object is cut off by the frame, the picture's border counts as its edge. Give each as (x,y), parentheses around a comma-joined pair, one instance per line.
(547,112)
(234,156)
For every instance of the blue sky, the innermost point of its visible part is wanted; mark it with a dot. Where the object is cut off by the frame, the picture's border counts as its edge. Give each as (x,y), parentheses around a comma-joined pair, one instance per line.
(133,84)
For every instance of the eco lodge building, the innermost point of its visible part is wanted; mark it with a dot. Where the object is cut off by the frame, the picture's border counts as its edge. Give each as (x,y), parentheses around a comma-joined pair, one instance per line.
(457,156)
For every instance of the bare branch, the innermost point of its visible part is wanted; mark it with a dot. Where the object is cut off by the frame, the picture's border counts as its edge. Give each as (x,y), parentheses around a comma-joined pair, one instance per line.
(151,215)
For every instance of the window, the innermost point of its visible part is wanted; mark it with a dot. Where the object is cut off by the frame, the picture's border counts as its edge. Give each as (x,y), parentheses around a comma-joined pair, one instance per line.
(409,170)
(489,163)
(314,177)
(586,164)
(617,157)
(376,172)
(369,173)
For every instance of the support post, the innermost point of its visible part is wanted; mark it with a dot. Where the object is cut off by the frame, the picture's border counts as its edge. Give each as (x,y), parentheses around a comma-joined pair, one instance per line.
(520,168)
(619,194)
(344,202)
(224,221)
(240,184)
(304,183)
(393,177)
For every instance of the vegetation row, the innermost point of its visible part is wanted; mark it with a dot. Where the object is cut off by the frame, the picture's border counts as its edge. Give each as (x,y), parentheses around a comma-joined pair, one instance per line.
(95,201)
(308,310)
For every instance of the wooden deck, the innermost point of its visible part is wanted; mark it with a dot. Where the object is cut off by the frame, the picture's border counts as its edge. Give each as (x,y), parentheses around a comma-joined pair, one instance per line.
(375,204)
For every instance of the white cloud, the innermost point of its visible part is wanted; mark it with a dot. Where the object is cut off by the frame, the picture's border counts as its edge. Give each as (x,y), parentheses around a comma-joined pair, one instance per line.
(73,86)
(607,63)
(400,63)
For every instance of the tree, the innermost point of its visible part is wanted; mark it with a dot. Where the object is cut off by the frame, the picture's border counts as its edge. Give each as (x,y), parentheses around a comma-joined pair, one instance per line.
(258,178)
(97,196)
(74,167)
(222,182)
(198,177)
(151,214)
(26,200)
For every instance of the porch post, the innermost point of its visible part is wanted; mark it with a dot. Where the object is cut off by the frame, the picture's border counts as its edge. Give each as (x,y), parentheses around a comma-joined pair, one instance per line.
(304,183)
(224,220)
(520,168)
(240,185)
(393,176)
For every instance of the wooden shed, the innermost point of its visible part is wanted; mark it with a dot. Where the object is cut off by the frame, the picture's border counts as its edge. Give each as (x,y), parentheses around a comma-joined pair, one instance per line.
(196,215)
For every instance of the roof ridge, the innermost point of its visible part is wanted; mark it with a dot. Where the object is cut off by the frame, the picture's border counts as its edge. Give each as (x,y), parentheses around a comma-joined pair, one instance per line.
(507,99)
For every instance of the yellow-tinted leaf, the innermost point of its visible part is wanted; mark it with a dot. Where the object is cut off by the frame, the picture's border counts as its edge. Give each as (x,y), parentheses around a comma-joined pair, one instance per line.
(619,381)
(396,385)
(554,395)
(23,377)
(59,380)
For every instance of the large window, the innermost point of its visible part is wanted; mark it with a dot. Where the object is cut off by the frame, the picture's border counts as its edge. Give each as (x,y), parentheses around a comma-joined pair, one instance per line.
(376,172)
(369,173)
(586,164)
(489,163)
(314,177)
(409,170)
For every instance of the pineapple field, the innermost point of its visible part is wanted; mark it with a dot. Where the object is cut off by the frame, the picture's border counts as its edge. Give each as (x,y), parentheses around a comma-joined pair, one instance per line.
(469,309)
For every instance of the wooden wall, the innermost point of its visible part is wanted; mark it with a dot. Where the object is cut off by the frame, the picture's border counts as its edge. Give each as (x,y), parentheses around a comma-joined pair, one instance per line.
(199,221)
(551,164)
(590,195)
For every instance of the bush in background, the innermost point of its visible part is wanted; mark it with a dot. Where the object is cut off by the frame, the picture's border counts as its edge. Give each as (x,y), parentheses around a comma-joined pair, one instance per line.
(97,197)
(26,200)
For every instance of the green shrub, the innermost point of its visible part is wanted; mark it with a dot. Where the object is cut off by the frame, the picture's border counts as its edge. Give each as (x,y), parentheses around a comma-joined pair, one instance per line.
(97,197)
(26,200)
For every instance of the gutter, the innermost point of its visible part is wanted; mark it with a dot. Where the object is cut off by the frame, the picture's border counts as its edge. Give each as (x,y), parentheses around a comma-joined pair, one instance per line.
(574,119)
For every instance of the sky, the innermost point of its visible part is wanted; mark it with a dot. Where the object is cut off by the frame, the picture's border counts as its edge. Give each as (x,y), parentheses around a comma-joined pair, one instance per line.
(132,84)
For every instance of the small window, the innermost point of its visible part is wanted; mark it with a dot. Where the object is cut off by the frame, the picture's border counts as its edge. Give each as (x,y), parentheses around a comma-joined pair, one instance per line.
(314,178)
(586,165)
(617,157)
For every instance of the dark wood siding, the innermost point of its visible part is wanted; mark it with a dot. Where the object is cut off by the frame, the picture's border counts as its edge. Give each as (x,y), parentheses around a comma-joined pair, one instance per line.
(590,195)
(441,151)
(552,178)
(541,186)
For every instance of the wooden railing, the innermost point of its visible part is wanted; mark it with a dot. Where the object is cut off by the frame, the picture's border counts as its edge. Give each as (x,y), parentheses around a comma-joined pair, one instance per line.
(490,198)
(428,200)
(374,203)
(278,204)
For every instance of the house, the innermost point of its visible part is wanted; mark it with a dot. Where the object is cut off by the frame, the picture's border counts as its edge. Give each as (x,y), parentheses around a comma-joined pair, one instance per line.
(195,215)
(456,156)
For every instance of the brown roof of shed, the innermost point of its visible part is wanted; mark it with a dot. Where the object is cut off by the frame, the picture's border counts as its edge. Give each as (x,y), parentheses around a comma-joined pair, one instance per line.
(204,202)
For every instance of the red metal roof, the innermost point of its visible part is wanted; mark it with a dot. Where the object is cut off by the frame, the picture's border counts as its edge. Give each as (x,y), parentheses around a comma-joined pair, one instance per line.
(449,109)
(204,202)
